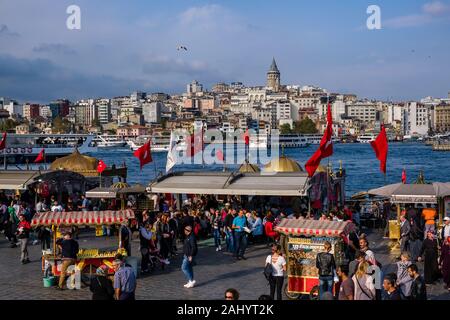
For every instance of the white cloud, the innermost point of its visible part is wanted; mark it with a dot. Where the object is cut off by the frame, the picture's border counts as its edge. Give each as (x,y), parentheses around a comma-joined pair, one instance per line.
(436,8)
(205,13)
(431,12)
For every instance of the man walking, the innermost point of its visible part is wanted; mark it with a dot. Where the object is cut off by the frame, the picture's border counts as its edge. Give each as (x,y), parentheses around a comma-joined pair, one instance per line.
(418,287)
(69,249)
(23,233)
(240,236)
(405,229)
(189,251)
(347,287)
(326,265)
(124,281)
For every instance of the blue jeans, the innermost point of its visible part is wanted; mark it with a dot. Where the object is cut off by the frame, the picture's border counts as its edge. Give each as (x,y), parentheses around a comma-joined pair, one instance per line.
(216,234)
(240,239)
(230,241)
(186,267)
(325,285)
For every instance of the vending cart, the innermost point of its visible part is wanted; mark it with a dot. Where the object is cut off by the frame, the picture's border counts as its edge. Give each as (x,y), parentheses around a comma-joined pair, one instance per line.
(304,240)
(88,260)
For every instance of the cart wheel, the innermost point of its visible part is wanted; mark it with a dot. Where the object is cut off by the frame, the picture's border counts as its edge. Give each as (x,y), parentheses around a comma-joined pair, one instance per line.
(88,274)
(314,293)
(290,295)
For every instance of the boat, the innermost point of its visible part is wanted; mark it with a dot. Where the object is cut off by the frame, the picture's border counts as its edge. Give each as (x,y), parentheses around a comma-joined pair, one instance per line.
(21,147)
(106,142)
(366,138)
(293,141)
(158,143)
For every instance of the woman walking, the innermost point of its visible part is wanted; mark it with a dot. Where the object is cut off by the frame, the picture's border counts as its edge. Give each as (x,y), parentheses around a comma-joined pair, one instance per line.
(164,235)
(429,254)
(364,287)
(445,262)
(216,222)
(278,263)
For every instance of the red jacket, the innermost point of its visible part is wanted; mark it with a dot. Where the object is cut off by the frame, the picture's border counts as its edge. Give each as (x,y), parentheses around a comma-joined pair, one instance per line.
(268,228)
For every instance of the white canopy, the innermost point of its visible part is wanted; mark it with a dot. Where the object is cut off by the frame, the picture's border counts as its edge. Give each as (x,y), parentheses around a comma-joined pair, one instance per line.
(226,183)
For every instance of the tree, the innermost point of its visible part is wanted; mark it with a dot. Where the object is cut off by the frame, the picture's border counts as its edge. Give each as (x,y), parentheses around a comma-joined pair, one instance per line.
(8,124)
(305,126)
(61,125)
(285,129)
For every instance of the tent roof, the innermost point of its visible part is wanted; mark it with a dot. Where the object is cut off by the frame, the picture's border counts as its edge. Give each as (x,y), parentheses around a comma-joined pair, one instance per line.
(17,180)
(273,184)
(407,193)
(314,227)
(80,218)
(98,193)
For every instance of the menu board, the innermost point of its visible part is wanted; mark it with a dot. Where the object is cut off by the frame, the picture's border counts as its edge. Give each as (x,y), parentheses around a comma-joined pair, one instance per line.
(302,254)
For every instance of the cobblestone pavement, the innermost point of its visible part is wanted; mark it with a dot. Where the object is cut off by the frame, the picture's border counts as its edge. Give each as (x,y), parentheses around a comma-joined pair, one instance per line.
(214,273)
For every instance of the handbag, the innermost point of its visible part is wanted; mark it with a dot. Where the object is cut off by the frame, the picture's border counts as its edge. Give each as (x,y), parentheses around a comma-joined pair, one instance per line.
(268,269)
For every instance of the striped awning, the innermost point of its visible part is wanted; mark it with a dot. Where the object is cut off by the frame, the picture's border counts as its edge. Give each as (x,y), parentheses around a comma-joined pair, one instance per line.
(314,227)
(79,218)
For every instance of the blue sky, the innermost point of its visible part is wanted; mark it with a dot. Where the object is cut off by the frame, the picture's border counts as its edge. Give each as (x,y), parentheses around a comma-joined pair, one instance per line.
(131,45)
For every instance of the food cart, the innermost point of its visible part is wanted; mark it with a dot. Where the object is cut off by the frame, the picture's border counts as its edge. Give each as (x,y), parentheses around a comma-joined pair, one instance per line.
(88,260)
(304,240)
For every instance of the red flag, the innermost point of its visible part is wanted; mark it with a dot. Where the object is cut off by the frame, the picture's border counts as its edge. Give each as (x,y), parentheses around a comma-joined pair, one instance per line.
(40,157)
(101,166)
(404,176)
(325,149)
(144,154)
(246,137)
(380,146)
(219,155)
(195,144)
(3,142)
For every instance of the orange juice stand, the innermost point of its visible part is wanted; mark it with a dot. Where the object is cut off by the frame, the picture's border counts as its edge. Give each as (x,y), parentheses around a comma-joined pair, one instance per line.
(88,260)
(305,239)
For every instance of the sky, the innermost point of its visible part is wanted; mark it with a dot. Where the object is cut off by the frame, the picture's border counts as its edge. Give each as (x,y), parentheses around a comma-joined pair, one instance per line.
(124,46)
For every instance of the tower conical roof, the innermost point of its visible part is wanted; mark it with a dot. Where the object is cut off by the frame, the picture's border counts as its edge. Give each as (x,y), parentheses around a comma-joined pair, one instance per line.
(273,66)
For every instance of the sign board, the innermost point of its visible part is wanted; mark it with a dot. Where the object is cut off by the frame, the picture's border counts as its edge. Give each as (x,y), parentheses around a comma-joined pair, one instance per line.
(414,199)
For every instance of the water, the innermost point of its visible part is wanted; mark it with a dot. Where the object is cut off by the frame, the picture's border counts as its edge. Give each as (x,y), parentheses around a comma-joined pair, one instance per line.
(358,159)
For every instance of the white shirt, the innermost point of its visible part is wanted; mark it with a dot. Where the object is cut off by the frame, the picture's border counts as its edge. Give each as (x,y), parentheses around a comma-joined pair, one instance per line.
(446,231)
(57,208)
(278,266)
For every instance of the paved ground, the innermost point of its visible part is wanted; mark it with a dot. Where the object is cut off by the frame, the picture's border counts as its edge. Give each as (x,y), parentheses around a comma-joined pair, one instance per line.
(214,273)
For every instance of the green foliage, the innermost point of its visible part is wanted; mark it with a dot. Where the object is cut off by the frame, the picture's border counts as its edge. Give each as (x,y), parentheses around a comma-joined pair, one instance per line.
(306,126)
(61,125)
(285,129)
(8,124)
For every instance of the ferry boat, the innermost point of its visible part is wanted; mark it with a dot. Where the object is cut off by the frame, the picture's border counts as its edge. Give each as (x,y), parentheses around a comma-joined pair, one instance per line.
(366,138)
(20,147)
(106,142)
(158,143)
(316,138)
(293,141)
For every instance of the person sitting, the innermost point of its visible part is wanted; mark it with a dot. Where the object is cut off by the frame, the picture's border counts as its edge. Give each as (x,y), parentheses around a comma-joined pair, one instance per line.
(101,287)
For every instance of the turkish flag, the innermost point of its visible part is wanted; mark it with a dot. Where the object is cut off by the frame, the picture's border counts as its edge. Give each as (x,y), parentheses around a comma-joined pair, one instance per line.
(404,176)
(246,137)
(325,149)
(3,142)
(195,144)
(144,154)
(101,166)
(40,157)
(380,146)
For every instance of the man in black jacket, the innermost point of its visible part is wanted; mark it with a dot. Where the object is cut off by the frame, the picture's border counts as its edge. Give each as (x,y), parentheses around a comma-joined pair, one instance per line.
(326,265)
(418,287)
(69,250)
(189,251)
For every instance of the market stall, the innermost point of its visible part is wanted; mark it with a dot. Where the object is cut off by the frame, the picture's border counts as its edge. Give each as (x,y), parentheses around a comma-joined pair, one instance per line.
(305,239)
(88,260)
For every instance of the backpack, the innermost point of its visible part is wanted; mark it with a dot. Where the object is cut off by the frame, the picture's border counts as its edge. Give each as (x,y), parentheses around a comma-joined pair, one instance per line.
(268,269)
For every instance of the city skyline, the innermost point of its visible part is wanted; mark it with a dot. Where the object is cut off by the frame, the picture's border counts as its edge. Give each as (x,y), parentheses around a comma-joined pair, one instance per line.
(121,48)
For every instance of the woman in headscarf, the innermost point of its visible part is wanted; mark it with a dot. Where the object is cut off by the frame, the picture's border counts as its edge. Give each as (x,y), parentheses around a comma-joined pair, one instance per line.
(445,262)
(101,287)
(429,254)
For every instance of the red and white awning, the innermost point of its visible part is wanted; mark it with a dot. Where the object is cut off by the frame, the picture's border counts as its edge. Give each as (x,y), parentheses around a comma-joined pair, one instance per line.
(314,227)
(78,218)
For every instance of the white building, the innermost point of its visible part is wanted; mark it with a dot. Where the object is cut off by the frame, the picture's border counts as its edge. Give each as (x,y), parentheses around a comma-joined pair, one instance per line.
(284,110)
(364,111)
(152,111)
(45,112)
(194,87)
(11,106)
(416,119)
(104,110)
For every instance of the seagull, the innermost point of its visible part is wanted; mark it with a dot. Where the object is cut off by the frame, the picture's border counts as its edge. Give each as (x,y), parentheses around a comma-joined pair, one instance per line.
(181,48)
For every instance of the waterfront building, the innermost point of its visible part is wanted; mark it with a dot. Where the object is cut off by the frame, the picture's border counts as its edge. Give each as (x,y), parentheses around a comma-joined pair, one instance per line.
(365,111)
(59,108)
(12,106)
(442,118)
(416,119)
(85,112)
(103,110)
(30,111)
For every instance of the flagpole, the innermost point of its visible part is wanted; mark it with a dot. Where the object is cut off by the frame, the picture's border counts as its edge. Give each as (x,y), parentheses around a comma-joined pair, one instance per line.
(154,161)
